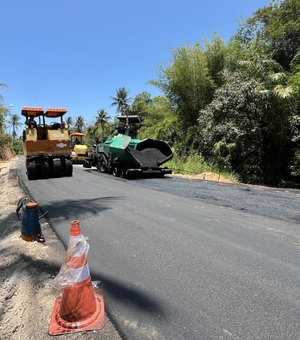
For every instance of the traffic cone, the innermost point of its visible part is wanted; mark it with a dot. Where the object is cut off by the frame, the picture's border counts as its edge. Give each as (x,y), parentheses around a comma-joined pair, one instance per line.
(81,306)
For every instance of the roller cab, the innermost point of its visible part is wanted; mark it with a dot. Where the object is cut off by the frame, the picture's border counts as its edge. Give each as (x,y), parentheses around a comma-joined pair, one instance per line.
(46,143)
(79,149)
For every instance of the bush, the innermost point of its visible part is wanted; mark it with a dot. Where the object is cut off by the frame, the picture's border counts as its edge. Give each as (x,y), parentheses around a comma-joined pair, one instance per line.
(192,164)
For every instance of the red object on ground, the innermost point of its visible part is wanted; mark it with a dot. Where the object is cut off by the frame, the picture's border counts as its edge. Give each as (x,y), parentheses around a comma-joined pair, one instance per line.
(81,306)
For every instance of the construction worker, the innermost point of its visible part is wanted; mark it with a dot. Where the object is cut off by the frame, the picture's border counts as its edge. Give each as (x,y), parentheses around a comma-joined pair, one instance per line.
(31,122)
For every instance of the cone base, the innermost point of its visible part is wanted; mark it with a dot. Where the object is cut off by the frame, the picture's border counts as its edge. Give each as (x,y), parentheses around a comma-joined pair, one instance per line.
(95,322)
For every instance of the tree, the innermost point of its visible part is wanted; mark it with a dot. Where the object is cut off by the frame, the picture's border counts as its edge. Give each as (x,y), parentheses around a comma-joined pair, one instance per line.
(79,123)
(2,85)
(215,53)
(269,73)
(277,27)
(187,84)
(69,122)
(248,130)
(121,100)
(159,121)
(14,123)
(102,120)
(3,111)
(91,135)
(140,104)
(294,78)
(8,144)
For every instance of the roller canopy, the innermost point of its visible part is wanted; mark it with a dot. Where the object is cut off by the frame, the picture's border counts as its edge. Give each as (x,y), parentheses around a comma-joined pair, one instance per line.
(54,113)
(32,111)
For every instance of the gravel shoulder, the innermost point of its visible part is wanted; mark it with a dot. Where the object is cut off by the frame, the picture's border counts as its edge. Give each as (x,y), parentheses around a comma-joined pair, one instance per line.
(27,271)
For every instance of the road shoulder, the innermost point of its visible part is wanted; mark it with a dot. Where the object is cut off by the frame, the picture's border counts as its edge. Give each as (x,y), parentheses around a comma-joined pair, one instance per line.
(27,271)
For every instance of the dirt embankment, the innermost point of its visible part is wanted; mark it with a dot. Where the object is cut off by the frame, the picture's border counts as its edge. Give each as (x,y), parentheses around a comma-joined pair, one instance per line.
(208,176)
(27,271)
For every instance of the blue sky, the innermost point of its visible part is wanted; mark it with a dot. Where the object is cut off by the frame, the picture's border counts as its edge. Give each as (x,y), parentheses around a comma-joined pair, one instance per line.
(76,53)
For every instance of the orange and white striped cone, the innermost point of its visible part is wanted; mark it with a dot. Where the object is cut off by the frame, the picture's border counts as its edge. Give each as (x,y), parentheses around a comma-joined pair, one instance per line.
(81,306)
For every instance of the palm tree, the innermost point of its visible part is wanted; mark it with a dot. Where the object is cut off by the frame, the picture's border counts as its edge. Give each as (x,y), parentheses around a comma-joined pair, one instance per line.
(4,111)
(102,119)
(270,74)
(69,122)
(14,123)
(121,100)
(2,85)
(91,135)
(79,123)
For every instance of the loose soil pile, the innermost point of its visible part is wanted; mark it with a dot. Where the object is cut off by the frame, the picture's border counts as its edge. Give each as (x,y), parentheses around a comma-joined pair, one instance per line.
(208,176)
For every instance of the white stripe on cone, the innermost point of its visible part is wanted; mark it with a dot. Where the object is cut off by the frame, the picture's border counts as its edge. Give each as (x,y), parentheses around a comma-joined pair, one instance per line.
(77,275)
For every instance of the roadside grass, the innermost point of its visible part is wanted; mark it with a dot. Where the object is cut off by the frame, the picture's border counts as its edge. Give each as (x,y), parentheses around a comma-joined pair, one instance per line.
(194,165)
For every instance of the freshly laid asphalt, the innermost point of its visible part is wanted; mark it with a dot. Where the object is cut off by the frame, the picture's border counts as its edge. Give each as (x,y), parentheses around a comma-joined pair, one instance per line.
(184,259)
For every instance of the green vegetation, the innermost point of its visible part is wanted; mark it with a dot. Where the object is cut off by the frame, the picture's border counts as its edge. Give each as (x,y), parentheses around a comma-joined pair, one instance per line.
(9,143)
(236,106)
(230,108)
(79,123)
(190,165)
(121,100)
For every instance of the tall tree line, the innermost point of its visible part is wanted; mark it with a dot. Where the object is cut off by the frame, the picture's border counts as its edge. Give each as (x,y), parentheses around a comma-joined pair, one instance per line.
(237,104)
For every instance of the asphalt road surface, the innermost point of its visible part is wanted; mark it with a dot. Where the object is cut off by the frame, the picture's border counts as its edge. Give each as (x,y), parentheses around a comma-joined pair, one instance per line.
(185,259)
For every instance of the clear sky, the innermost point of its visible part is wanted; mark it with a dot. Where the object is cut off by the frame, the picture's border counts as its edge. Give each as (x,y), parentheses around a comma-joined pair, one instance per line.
(76,53)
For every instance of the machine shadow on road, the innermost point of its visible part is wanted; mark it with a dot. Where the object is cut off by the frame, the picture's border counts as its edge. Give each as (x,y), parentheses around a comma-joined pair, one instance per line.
(94,171)
(130,296)
(68,209)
